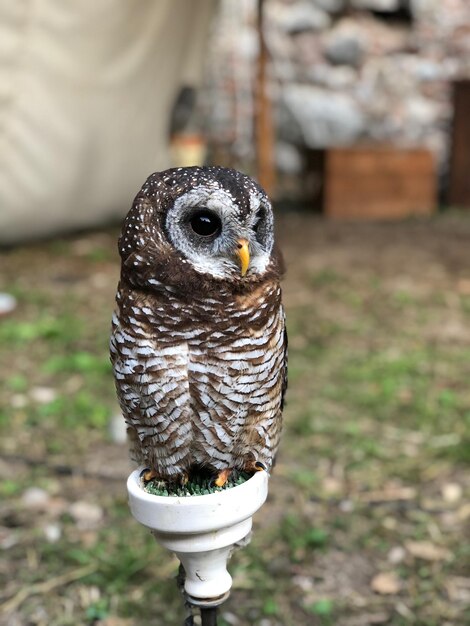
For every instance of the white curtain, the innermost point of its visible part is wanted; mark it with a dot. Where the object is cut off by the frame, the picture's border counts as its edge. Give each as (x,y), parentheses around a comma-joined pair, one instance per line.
(85,92)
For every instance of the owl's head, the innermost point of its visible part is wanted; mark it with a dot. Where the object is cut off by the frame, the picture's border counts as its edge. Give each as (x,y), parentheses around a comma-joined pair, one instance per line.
(199,224)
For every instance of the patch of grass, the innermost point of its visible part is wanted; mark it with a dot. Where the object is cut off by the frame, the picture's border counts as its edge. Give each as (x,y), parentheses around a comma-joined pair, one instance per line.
(100,254)
(301,536)
(10,487)
(322,608)
(63,328)
(80,362)
(403,298)
(303,478)
(80,410)
(405,388)
(99,610)
(33,295)
(270,607)
(325,277)
(17,383)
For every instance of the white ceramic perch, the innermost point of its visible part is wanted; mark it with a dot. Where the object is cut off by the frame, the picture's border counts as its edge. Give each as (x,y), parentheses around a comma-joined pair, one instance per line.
(201,530)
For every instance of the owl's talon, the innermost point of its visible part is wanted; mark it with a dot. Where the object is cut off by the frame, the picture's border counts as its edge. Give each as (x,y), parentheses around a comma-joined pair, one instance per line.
(255,466)
(148,474)
(222,477)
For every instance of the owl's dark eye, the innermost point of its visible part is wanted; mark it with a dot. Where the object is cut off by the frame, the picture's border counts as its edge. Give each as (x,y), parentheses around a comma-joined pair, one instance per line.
(205,223)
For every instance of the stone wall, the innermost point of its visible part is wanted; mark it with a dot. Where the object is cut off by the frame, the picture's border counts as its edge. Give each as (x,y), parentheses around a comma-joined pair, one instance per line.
(343,72)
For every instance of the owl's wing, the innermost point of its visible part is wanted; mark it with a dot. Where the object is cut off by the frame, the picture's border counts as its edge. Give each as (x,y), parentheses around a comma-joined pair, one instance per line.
(152,388)
(284,371)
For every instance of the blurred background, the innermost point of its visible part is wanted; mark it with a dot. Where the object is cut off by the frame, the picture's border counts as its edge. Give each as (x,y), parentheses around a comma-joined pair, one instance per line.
(354,115)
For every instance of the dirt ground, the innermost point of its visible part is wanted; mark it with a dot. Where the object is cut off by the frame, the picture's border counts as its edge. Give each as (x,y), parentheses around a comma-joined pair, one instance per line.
(368,513)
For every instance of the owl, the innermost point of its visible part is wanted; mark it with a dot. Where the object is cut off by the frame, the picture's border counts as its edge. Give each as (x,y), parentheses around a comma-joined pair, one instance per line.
(198,342)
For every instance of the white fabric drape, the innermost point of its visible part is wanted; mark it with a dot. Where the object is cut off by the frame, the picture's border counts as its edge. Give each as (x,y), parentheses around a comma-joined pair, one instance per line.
(85,92)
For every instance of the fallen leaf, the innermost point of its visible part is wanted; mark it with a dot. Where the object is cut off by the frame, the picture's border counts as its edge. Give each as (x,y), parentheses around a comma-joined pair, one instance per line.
(43,395)
(396,554)
(405,612)
(369,618)
(332,486)
(452,492)
(35,498)
(463,286)
(86,514)
(464,512)
(386,583)
(458,589)
(427,551)
(115,621)
(389,494)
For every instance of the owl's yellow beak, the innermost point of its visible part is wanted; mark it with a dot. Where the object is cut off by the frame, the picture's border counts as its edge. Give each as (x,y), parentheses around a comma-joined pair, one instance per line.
(244,255)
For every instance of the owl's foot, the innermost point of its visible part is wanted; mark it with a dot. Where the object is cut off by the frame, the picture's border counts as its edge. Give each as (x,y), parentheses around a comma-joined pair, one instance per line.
(255,466)
(148,474)
(222,477)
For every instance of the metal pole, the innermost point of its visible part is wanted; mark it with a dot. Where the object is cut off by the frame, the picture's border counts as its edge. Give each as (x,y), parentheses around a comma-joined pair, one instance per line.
(209,616)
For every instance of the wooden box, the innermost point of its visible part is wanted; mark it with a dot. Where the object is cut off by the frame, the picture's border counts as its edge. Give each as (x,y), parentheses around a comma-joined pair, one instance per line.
(376,182)
(459,171)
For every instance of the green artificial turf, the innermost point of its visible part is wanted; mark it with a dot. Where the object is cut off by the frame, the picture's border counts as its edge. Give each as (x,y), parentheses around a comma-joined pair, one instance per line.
(196,486)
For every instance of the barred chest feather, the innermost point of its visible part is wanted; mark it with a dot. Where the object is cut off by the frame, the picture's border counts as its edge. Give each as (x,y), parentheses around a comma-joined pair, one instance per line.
(200,381)
(210,320)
